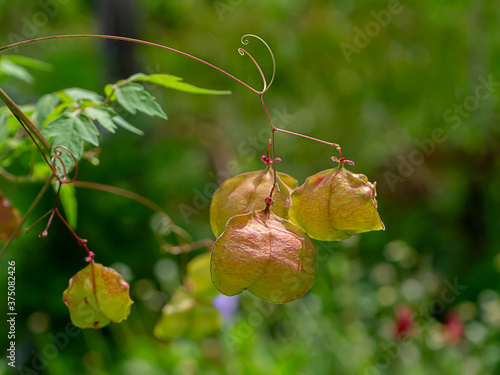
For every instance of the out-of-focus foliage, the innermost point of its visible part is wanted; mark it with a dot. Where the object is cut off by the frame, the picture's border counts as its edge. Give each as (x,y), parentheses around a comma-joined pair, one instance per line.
(415,104)
(190,313)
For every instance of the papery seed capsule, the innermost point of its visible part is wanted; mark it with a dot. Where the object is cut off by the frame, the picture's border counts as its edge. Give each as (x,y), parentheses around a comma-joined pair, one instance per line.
(9,219)
(247,192)
(265,254)
(97,296)
(336,204)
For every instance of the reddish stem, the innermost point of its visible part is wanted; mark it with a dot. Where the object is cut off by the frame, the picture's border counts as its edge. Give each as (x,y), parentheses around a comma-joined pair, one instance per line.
(81,241)
(269,200)
(13,45)
(336,145)
(54,209)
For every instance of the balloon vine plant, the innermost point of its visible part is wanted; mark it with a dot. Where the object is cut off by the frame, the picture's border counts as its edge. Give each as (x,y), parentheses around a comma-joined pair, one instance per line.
(264,223)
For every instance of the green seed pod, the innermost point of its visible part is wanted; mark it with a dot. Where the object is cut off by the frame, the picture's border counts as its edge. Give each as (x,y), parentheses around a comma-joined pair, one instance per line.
(265,254)
(97,296)
(336,204)
(247,192)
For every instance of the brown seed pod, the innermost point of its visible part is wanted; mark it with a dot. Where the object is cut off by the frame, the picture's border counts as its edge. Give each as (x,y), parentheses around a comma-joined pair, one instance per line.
(265,254)
(247,192)
(336,204)
(9,219)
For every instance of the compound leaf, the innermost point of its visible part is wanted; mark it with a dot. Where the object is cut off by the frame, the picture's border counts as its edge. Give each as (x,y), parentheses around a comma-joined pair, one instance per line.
(133,98)
(28,62)
(64,132)
(44,107)
(120,121)
(11,69)
(103,115)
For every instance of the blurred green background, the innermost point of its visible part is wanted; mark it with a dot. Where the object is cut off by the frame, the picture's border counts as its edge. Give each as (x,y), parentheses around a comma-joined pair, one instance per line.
(411,91)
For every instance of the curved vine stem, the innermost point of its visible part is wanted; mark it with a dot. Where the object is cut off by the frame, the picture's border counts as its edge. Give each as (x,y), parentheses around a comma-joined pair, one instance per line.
(242,52)
(126,39)
(62,174)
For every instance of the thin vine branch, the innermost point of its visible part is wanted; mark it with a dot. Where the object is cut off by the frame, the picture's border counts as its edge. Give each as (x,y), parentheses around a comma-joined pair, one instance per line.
(118,191)
(81,241)
(336,145)
(178,231)
(20,179)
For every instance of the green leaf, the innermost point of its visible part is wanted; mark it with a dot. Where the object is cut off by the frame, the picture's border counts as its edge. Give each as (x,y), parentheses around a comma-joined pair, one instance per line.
(65,98)
(63,131)
(69,202)
(41,169)
(4,128)
(109,90)
(44,107)
(120,121)
(133,98)
(11,69)
(56,112)
(76,94)
(102,115)
(86,129)
(30,63)
(96,296)
(176,83)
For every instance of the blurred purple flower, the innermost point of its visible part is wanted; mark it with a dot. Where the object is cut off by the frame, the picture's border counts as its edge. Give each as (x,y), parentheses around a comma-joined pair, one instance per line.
(228,306)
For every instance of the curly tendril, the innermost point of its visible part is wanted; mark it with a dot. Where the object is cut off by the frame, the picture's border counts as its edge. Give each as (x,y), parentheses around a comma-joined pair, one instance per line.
(61,172)
(242,52)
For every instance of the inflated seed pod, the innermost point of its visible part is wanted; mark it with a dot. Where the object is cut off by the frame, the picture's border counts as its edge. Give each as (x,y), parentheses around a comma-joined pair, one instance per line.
(9,219)
(267,255)
(336,204)
(247,192)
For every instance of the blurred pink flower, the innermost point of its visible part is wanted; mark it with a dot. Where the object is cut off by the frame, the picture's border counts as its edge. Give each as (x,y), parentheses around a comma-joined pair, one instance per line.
(453,329)
(404,324)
